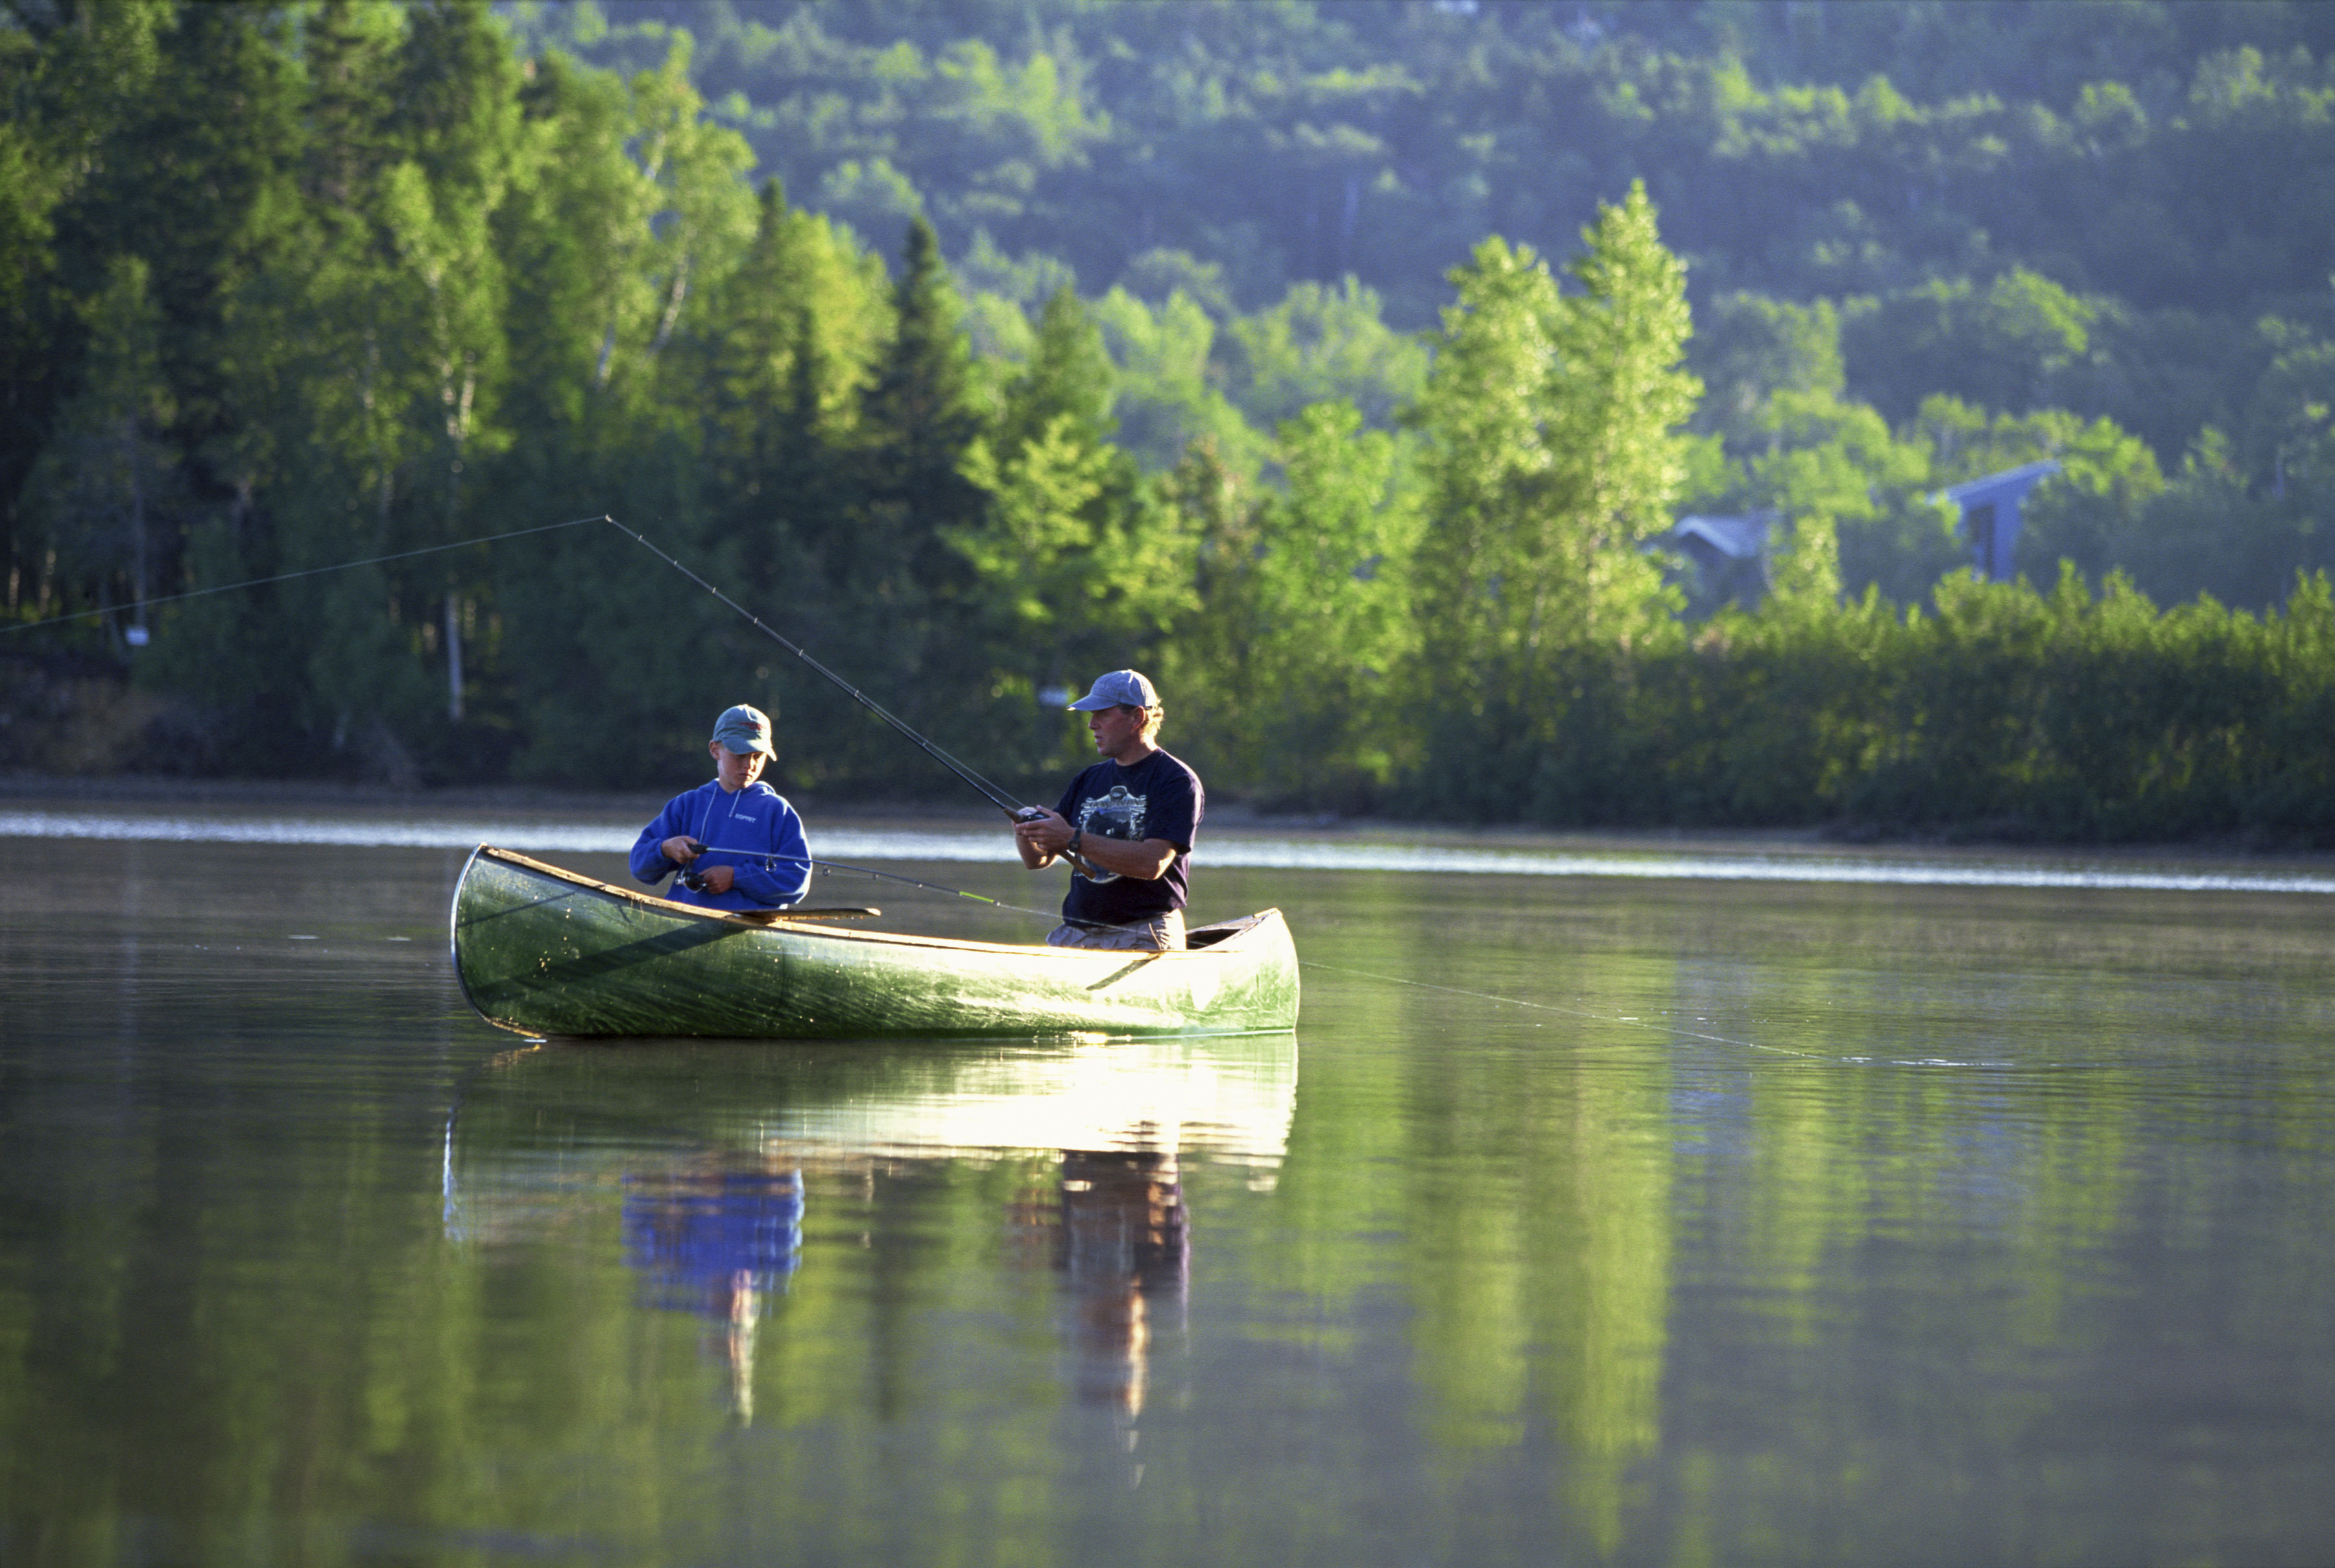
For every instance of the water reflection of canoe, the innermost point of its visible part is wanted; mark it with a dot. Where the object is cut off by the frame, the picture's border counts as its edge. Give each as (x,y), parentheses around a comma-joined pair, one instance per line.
(544,951)
(704,1165)
(543,1132)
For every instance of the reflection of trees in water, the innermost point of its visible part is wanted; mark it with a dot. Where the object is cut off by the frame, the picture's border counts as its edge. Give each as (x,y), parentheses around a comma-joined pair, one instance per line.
(1543,1246)
(717,1236)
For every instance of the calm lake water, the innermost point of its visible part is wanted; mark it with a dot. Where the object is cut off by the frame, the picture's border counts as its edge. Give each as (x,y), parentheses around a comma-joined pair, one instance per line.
(1704,1218)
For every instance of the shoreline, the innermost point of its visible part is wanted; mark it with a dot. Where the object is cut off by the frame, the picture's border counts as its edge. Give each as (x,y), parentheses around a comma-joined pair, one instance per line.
(1234,820)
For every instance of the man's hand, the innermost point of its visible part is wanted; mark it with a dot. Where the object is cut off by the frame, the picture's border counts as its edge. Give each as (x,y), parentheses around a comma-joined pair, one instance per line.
(718,878)
(1042,837)
(680,850)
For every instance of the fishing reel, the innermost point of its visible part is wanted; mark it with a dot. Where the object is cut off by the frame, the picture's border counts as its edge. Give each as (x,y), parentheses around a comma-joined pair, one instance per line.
(691,877)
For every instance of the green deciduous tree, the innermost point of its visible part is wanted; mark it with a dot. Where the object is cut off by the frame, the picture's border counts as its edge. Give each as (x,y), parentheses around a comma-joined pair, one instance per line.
(633,215)
(1322,345)
(1076,570)
(1553,454)
(1167,397)
(1841,485)
(1305,629)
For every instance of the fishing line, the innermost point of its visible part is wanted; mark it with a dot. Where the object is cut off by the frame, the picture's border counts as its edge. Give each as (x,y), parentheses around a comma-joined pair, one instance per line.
(1568,1011)
(832,866)
(996,796)
(310,572)
(989,791)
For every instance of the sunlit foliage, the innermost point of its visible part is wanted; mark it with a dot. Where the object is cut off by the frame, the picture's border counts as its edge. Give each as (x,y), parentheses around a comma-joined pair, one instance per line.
(1134,338)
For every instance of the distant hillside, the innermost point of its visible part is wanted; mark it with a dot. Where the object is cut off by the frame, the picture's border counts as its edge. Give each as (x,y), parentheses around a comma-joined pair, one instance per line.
(1798,149)
(2150,158)
(2017,206)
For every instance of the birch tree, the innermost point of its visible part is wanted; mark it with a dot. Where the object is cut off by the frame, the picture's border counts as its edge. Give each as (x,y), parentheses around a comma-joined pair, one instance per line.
(1554,451)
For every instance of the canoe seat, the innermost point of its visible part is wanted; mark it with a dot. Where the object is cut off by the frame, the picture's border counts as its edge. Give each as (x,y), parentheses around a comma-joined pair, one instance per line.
(1222,931)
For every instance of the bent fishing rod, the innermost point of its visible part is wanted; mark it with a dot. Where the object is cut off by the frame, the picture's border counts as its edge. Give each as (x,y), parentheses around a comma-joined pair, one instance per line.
(996,796)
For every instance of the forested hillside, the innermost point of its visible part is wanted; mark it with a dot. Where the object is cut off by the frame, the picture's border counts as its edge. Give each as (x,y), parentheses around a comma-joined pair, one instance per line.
(1922,238)
(1338,364)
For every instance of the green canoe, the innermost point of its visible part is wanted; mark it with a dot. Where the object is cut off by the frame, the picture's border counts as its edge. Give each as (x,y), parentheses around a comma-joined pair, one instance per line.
(545,952)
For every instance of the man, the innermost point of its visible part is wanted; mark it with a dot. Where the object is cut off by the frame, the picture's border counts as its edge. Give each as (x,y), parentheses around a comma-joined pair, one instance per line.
(1125,824)
(736,841)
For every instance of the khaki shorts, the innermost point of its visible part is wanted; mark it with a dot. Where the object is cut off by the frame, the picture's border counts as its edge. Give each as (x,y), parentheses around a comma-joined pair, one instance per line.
(1160,934)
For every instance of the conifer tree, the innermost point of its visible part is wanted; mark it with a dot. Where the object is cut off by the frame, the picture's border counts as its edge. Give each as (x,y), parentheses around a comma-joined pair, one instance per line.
(1069,377)
(108,486)
(790,337)
(1074,574)
(916,425)
(918,422)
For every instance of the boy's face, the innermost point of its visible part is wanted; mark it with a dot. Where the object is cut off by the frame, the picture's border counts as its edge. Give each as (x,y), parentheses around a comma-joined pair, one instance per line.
(737,768)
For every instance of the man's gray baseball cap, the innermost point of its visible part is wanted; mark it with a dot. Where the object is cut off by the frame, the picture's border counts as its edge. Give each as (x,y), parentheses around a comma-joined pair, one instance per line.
(1120,689)
(743,730)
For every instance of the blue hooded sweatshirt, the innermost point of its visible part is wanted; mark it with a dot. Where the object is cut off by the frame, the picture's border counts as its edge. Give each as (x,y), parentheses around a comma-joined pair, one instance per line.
(754,832)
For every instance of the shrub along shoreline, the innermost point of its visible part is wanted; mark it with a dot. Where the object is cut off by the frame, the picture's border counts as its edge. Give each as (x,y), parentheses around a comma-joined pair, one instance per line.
(2004,714)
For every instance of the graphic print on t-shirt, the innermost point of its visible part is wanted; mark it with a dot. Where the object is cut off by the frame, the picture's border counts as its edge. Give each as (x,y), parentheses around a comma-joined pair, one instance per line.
(1117,815)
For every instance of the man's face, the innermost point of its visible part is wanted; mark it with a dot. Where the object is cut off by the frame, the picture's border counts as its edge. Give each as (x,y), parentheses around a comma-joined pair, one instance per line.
(1115,729)
(737,768)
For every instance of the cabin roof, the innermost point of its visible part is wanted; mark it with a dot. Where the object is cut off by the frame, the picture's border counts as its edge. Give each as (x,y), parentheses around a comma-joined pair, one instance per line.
(1741,538)
(2010,484)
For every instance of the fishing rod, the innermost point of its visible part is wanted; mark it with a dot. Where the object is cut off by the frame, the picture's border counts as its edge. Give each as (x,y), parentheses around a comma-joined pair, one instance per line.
(832,866)
(996,796)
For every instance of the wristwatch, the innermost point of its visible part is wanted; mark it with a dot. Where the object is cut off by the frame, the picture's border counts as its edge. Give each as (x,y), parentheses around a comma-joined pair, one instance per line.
(1076,835)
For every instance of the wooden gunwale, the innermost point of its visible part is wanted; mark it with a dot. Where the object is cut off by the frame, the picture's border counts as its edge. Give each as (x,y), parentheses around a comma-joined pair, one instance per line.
(766,920)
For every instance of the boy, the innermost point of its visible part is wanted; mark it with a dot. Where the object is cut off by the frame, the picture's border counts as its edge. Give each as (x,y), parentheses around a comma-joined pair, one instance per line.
(735,840)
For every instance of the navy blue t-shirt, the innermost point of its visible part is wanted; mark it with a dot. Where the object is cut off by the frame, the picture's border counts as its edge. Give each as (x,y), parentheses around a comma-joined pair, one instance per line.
(1157,797)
